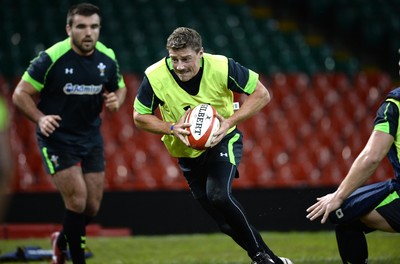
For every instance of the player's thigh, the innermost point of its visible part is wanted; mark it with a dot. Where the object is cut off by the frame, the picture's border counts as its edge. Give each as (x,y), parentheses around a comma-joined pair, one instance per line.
(375,221)
(95,187)
(72,187)
(93,174)
(386,216)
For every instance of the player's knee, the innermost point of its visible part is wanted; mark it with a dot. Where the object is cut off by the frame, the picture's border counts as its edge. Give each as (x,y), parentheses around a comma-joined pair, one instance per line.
(355,226)
(76,204)
(91,211)
(217,197)
(225,228)
(374,220)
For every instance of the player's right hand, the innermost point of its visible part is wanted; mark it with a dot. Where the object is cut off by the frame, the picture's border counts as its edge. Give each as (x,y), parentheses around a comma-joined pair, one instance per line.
(47,124)
(180,129)
(323,207)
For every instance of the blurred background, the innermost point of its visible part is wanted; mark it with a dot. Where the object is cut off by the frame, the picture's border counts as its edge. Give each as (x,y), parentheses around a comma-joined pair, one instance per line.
(327,63)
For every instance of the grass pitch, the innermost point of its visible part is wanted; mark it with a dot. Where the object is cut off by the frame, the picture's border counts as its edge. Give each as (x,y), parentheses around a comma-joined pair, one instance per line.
(300,247)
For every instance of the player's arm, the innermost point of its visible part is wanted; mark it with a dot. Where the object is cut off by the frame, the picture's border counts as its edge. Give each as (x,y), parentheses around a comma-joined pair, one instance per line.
(144,106)
(114,100)
(153,124)
(366,163)
(242,80)
(251,105)
(363,167)
(115,97)
(22,99)
(377,147)
(146,102)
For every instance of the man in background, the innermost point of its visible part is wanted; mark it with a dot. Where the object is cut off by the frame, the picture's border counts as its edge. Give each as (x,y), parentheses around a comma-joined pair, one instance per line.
(74,79)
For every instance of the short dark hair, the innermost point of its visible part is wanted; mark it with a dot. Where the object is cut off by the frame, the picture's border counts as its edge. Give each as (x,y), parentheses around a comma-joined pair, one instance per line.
(83,9)
(183,37)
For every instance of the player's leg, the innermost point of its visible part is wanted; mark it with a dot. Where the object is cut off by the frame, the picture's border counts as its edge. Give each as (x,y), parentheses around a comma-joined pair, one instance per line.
(67,176)
(351,237)
(93,167)
(220,220)
(196,176)
(376,221)
(386,216)
(95,187)
(72,187)
(93,173)
(219,194)
(221,166)
(351,243)
(95,183)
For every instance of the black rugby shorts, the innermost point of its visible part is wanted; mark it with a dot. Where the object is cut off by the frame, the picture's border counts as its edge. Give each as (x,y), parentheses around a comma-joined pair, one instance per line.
(55,158)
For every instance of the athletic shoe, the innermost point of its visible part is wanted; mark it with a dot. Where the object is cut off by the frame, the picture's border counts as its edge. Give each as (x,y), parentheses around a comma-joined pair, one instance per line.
(59,256)
(286,260)
(262,258)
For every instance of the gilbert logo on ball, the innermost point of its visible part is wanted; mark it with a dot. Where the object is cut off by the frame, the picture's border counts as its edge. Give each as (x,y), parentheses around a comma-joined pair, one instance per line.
(204,124)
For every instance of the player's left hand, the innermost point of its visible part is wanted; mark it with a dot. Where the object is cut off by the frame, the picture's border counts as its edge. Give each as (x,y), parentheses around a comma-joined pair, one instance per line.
(323,207)
(111,101)
(224,126)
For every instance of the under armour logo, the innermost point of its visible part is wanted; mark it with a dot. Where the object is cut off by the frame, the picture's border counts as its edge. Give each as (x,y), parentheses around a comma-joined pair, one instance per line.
(223,154)
(69,70)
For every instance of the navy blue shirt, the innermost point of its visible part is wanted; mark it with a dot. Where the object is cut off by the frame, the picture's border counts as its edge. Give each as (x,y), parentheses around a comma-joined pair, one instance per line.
(387,120)
(72,87)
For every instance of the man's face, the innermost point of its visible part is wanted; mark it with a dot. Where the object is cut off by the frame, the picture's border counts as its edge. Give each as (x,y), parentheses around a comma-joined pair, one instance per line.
(186,62)
(84,33)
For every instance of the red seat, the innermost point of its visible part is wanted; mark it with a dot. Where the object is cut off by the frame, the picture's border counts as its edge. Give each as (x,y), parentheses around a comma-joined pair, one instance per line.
(300,82)
(116,172)
(331,174)
(132,82)
(340,81)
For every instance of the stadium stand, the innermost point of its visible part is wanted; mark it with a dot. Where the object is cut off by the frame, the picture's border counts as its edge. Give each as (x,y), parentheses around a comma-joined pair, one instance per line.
(318,121)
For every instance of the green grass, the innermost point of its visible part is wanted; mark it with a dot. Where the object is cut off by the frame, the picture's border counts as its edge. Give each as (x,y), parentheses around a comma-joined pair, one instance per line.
(300,247)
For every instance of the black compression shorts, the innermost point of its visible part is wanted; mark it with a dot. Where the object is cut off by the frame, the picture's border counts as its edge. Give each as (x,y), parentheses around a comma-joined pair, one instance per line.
(390,210)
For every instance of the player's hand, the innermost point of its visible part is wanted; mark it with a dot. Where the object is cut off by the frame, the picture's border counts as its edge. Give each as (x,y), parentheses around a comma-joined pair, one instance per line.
(47,124)
(180,129)
(224,126)
(323,207)
(111,101)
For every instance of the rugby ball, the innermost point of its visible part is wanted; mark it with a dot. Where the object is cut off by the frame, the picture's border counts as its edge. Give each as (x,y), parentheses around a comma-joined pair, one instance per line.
(204,123)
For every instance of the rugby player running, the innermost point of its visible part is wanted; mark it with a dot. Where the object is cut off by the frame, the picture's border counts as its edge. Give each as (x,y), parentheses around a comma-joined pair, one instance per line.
(182,80)
(74,78)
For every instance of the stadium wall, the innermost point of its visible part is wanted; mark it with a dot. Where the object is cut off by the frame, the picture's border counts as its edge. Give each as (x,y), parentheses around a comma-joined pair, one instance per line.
(176,212)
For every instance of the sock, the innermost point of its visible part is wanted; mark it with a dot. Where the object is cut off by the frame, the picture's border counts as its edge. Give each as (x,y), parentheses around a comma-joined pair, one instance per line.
(88,219)
(75,233)
(351,242)
(62,241)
